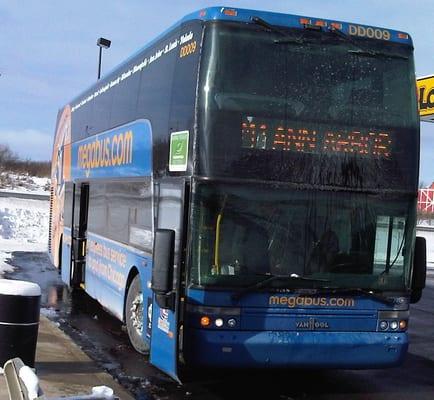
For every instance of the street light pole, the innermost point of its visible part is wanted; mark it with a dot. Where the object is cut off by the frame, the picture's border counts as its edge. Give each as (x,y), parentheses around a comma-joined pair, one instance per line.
(102,43)
(99,62)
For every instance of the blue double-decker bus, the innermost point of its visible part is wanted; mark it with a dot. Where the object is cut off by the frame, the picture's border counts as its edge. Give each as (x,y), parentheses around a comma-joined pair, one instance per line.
(242,193)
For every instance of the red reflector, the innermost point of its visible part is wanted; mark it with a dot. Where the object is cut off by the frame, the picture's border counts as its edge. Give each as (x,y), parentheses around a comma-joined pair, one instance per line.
(202,13)
(402,35)
(320,23)
(230,11)
(305,21)
(336,25)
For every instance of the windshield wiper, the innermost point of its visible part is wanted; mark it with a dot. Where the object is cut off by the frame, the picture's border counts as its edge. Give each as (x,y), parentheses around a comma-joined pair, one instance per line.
(286,38)
(365,292)
(361,51)
(272,278)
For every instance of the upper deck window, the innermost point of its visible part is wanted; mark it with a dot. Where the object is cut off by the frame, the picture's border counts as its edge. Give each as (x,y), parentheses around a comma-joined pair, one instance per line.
(308,108)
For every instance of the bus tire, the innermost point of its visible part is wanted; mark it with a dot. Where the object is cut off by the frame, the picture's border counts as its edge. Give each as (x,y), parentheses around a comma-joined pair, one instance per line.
(134,316)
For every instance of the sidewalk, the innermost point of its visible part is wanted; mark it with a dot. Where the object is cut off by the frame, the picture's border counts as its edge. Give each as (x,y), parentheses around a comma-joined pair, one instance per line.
(63,368)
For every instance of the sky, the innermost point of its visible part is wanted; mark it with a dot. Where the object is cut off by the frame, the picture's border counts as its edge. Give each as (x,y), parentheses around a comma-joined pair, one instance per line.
(48,52)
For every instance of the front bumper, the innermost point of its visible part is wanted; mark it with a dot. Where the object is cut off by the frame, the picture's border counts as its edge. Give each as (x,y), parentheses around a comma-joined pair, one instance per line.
(252,349)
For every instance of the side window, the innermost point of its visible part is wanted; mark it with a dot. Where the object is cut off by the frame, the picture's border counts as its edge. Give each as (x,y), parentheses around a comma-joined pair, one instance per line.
(97,222)
(154,98)
(125,95)
(389,242)
(69,201)
(122,211)
(101,109)
(118,200)
(141,217)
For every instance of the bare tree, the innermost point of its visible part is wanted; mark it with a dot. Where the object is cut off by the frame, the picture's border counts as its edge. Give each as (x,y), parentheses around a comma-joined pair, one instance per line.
(6,156)
(10,162)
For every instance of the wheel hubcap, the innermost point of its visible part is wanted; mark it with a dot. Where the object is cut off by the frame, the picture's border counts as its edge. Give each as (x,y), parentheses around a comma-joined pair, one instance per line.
(137,313)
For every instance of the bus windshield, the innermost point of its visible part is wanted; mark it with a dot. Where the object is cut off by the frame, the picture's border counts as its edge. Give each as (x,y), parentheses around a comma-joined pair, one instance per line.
(313,110)
(242,233)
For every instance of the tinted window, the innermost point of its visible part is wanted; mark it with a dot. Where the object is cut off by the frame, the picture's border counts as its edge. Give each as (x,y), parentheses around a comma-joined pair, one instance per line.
(97,208)
(125,94)
(122,211)
(69,200)
(243,233)
(314,110)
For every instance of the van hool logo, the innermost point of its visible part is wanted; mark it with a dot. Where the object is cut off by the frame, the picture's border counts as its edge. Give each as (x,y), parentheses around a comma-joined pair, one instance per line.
(311,324)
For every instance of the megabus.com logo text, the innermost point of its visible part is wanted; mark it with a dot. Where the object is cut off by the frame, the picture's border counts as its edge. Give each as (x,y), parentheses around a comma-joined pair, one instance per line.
(308,301)
(108,151)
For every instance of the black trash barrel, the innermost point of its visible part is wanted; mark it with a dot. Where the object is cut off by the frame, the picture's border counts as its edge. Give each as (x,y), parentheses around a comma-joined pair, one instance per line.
(19,320)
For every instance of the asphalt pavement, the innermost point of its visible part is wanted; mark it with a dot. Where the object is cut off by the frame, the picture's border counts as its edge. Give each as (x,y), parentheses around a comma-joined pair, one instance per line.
(24,195)
(64,369)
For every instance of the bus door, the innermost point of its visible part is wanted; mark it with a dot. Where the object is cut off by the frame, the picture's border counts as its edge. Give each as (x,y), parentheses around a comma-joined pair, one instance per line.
(171,211)
(66,243)
(79,229)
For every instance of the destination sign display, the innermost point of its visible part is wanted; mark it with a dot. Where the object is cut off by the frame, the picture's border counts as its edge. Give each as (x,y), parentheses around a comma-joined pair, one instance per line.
(267,134)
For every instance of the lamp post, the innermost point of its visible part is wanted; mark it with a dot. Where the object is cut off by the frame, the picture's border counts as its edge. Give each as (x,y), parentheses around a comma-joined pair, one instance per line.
(102,43)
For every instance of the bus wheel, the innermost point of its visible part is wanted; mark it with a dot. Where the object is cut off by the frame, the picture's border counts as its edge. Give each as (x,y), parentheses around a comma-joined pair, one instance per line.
(135,317)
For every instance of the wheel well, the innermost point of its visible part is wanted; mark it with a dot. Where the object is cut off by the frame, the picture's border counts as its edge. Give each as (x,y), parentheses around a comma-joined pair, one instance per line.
(133,272)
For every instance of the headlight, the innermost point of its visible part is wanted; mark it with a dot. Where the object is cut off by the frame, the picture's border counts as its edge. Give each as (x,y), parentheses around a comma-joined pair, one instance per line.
(394,325)
(393,320)
(232,322)
(384,325)
(218,322)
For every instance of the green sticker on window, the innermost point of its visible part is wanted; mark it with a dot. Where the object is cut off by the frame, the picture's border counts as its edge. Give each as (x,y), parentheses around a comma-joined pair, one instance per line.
(178,154)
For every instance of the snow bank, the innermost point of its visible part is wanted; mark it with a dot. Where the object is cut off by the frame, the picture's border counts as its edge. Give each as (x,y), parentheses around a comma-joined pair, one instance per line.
(24,183)
(3,266)
(428,233)
(23,227)
(49,312)
(24,220)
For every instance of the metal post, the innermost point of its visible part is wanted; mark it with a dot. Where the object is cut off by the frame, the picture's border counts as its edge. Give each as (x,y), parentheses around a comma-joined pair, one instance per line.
(99,62)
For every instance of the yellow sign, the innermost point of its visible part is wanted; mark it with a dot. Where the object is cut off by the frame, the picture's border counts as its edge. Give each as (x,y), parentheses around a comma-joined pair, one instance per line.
(425,90)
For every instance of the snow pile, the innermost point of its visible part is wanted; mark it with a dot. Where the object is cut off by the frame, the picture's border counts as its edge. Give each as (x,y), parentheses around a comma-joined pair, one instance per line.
(24,183)
(49,312)
(23,222)
(3,266)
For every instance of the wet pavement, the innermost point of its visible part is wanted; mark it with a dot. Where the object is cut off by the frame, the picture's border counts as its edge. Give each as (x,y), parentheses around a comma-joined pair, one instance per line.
(103,338)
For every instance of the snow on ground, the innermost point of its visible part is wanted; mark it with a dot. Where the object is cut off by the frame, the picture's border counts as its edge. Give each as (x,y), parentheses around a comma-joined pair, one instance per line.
(24,183)
(3,266)
(23,222)
(49,312)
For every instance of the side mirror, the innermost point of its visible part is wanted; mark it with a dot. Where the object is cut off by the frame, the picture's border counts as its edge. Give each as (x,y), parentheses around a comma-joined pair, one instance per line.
(162,271)
(419,270)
